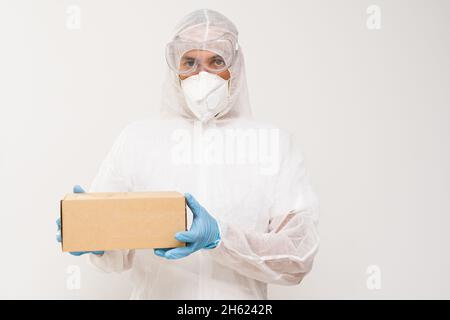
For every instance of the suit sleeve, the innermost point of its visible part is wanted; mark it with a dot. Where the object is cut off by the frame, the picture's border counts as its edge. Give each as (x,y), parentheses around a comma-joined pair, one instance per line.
(283,254)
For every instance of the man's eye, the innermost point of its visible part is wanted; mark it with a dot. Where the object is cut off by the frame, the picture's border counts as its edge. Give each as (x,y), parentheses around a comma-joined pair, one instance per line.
(189,63)
(219,62)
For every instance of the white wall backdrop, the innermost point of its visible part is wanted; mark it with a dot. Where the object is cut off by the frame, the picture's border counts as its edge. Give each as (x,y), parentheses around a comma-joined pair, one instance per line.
(371,108)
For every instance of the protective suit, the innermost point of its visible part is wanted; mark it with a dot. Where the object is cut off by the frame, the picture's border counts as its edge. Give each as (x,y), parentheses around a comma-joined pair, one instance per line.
(267,213)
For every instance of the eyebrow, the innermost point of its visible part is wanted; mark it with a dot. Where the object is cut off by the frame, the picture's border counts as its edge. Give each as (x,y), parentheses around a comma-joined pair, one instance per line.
(195,57)
(187,58)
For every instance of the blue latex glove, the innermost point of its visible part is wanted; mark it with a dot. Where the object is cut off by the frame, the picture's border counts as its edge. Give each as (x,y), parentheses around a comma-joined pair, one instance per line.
(203,234)
(76,189)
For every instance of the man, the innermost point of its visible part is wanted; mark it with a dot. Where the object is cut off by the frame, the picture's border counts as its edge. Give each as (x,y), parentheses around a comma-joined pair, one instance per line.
(254,222)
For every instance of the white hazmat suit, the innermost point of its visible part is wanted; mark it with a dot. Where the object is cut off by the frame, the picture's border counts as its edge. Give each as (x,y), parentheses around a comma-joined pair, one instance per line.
(250,176)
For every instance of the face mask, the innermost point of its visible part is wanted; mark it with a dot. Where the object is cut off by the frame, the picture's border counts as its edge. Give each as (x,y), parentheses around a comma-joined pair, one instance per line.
(206,94)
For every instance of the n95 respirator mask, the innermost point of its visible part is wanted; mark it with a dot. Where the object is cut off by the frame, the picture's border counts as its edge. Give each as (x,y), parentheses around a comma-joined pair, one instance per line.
(206,94)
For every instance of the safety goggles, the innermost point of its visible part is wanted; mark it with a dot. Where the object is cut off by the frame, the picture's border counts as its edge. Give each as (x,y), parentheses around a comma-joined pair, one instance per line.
(188,57)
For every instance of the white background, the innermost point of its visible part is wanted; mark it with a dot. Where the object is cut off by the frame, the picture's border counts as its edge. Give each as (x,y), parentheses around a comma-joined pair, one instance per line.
(371,109)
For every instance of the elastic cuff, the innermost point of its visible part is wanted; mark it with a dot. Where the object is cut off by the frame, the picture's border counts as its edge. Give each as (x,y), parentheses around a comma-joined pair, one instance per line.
(222,231)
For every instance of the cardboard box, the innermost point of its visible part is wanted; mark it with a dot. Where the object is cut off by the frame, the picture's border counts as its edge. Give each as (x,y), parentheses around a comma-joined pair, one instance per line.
(113,221)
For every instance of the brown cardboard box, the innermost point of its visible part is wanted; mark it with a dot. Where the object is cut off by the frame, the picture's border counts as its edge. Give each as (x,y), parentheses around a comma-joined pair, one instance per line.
(112,221)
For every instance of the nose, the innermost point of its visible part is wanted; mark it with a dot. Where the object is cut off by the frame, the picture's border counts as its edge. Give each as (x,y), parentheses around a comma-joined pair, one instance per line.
(197,70)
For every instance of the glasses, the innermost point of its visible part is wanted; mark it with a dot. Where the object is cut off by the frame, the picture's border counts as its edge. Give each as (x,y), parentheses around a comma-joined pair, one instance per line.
(195,61)
(215,56)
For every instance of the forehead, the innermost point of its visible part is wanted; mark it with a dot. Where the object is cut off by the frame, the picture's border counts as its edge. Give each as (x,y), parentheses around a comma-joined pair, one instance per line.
(202,54)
